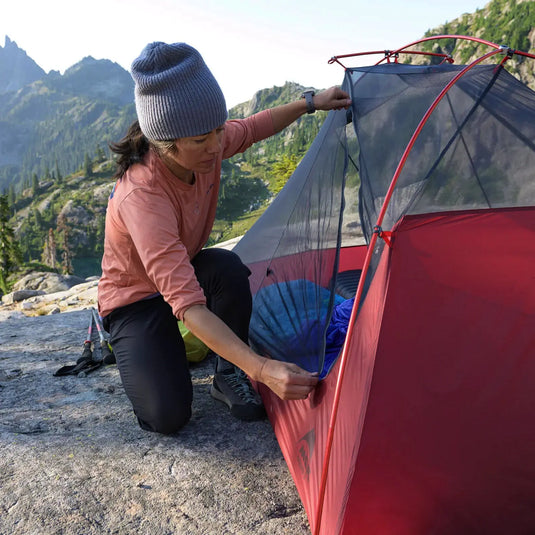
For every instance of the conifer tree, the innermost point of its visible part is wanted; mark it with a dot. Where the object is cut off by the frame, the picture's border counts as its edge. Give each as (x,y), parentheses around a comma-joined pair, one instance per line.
(88,165)
(99,237)
(10,255)
(66,265)
(49,250)
(38,218)
(59,176)
(283,170)
(101,155)
(35,184)
(11,195)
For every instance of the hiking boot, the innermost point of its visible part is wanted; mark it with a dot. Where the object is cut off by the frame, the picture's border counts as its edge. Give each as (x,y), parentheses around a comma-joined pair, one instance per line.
(232,387)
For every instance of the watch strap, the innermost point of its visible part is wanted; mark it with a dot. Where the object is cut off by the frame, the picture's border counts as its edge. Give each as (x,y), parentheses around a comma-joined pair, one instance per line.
(308,96)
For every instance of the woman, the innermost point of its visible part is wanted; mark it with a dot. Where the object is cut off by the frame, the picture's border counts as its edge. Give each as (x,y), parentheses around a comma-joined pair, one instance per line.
(160,214)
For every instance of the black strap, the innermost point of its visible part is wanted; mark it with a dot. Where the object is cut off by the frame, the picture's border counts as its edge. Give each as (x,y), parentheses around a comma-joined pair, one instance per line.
(86,363)
(83,365)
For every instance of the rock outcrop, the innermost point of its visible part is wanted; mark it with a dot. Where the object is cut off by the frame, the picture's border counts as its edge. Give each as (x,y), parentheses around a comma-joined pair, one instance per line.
(38,294)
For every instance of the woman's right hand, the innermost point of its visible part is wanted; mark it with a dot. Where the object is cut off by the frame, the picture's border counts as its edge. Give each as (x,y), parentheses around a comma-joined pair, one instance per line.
(287,380)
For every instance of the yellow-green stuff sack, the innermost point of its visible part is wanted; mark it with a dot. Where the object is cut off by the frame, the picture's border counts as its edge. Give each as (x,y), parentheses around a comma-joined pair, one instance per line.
(195,349)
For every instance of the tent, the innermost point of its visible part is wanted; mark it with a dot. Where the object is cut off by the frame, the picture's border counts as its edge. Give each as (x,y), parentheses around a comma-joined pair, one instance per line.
(420,203)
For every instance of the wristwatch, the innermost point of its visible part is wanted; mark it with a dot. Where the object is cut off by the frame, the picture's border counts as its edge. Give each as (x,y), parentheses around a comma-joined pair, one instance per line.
(307,95)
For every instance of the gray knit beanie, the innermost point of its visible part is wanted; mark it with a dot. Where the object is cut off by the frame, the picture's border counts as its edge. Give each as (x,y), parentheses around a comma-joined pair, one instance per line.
(176,94)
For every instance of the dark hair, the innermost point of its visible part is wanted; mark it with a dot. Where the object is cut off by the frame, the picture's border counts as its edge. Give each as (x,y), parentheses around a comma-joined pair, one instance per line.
(133,146)
(130,149)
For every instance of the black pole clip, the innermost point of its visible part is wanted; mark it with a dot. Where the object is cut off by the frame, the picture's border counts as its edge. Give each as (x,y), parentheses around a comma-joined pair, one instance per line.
(386,235)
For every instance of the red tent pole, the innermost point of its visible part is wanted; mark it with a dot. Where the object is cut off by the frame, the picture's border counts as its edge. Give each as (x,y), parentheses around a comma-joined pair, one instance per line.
(336,401)
(447,57)
(436,37)
(387,55)
(373,240)
(390,53)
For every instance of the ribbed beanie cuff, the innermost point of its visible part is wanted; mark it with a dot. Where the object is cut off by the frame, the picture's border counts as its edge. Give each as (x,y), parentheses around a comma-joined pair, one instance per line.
(176,94)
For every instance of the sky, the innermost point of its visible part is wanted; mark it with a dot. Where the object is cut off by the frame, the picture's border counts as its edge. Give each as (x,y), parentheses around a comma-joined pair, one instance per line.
(248,44)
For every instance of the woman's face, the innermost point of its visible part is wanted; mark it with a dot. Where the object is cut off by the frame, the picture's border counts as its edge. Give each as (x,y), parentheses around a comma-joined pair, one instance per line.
(199,153)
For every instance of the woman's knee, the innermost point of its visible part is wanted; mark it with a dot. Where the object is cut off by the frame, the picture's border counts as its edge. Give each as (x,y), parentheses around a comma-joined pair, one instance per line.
(215,260)
(221,272)
(160,418)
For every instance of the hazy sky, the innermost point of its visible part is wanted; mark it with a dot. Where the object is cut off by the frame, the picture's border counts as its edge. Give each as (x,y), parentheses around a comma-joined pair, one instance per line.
(248,45)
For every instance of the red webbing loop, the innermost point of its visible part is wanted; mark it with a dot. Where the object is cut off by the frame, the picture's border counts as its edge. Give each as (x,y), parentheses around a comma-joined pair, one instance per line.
(386,235)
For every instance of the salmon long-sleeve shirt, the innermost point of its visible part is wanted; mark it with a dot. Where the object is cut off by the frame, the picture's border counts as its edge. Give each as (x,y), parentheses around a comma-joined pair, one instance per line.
(156,223)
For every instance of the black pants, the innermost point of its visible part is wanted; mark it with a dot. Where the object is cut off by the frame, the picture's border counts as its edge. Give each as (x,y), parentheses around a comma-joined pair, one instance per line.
(150,352)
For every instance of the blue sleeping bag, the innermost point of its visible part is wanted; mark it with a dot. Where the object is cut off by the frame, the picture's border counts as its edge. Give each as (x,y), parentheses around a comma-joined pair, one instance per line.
(289,321)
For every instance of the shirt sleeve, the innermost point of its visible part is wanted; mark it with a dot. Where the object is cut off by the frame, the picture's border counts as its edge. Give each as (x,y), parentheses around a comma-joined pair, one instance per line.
(150,220)
(240,134)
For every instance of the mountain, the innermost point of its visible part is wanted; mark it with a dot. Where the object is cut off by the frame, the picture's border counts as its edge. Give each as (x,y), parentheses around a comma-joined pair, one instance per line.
(505,22)
(54,161)
(99,80)
(16,68)
(54,132)
(49,122)
(53,121)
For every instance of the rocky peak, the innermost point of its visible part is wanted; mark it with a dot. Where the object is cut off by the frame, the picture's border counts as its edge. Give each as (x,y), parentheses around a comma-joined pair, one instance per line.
(16,68)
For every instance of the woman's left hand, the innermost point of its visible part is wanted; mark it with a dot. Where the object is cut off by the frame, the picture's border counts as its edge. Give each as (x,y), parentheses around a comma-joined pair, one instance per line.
(332,99)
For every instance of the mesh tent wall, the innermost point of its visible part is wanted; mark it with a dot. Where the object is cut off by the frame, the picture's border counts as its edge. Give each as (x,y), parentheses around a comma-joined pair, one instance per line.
(422,424)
